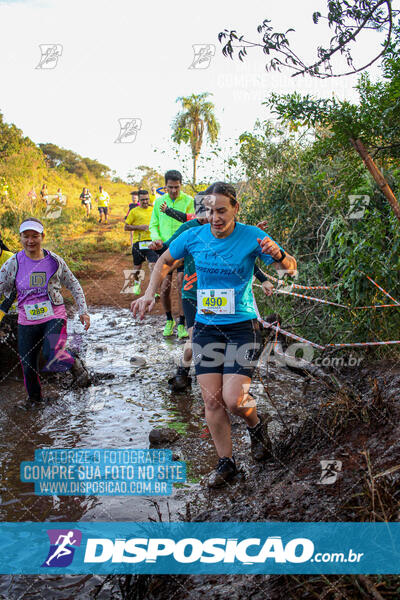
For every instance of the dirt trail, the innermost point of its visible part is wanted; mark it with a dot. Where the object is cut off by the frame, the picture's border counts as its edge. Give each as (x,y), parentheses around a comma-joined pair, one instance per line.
(106,280)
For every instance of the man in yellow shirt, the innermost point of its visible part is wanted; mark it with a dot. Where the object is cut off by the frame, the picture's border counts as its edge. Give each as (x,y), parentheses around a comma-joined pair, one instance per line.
(138,221)
(103,200)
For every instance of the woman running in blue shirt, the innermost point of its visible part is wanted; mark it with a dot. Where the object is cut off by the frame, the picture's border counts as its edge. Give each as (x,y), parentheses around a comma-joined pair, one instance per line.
(226,337)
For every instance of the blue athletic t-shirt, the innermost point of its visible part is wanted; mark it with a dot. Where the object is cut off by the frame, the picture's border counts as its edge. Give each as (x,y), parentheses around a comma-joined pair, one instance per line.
(226,263)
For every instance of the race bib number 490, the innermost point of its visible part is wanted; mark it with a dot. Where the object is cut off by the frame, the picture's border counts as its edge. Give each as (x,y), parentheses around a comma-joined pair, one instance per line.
(35,312)
(216,302)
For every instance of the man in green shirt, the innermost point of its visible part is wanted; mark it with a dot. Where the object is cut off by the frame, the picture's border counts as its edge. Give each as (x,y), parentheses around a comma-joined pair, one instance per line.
(161,228)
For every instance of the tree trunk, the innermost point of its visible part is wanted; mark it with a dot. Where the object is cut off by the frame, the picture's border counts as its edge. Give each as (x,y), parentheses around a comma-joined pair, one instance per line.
(194,169)
(377,175)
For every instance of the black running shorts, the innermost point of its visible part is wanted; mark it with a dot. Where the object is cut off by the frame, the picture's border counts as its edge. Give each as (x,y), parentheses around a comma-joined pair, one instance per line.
(139,256)
(233,348)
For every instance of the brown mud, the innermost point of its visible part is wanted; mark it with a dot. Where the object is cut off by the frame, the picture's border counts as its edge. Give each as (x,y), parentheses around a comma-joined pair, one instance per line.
(360,426)
(353,418)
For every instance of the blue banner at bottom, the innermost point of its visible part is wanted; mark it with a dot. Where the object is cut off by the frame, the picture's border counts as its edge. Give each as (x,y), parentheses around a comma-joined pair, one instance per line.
(186,548)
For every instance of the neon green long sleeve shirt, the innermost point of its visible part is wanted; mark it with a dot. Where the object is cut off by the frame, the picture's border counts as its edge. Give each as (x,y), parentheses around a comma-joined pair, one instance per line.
(162,227)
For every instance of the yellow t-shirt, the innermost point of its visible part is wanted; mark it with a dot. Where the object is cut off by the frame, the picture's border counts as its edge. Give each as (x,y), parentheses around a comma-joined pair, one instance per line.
(139,216)
(4,256)
(103,199)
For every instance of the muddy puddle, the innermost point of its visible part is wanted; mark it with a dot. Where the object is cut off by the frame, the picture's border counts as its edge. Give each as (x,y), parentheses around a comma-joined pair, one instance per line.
(132,362)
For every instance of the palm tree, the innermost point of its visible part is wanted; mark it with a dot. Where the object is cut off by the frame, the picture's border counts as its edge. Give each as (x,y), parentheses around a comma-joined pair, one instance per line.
(197,114)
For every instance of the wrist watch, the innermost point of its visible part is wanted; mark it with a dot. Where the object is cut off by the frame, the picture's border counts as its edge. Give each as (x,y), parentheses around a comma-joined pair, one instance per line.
(283,256)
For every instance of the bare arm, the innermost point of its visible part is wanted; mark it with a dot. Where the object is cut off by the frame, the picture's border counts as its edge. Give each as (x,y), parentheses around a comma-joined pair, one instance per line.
(288,265)
(136,227)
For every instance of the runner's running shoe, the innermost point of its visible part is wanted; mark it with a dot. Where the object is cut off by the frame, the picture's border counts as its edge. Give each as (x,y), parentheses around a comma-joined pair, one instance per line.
(261,445)
(224,472)
(182,333)
(34,399)
(136,288)
(80,373)
(169,328)
(181,380)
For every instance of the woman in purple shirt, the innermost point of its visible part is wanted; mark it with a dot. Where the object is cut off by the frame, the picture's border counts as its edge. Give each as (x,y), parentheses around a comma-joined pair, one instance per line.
(35,276)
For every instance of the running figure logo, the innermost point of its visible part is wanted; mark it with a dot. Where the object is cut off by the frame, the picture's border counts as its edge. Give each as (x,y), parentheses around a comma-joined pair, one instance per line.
(130,280)
(128,130)
(50,53)
(62,547)
(203,54)
(358,206)
(330,471)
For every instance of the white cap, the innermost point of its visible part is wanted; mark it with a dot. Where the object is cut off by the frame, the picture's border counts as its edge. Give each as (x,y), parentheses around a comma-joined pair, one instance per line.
(32,225)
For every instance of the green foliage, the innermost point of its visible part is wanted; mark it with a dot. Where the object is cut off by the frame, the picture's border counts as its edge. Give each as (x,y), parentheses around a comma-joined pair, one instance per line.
(146,177)
(73,163)
(376,119)
(302,189)
(24,167)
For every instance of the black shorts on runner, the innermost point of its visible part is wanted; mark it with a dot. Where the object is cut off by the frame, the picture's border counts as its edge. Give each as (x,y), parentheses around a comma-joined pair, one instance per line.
(189,310)
(103,209)
(233,348)
(155,256)
(139,256)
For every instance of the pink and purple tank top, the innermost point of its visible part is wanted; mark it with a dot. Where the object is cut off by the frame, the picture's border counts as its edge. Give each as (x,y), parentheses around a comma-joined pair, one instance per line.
(32,280)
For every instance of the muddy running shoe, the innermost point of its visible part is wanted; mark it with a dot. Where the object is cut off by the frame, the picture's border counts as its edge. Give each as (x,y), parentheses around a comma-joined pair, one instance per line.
(136,288)
(35,399)
(224,472)
(181,380)
(80,373)
(261,445)
(156,296)
(169,328)
(182,333)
